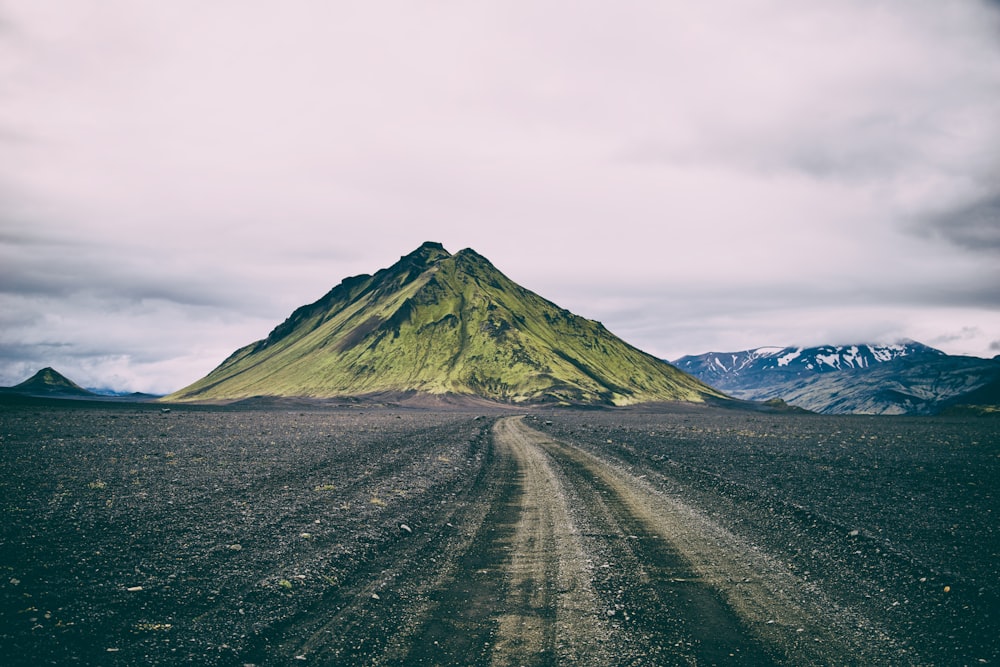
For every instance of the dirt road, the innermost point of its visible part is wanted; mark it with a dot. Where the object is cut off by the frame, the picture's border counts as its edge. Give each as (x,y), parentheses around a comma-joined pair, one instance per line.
(573,561)
(635,577)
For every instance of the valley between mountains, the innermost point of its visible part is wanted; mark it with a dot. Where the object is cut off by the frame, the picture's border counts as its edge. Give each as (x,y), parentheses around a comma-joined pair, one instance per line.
(680,535)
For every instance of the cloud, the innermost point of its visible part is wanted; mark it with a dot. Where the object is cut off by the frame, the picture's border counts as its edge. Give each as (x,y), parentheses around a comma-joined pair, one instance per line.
(82,336)
(973,226)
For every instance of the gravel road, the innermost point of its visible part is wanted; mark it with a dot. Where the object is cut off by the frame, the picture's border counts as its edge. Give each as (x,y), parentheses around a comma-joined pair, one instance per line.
(638,577)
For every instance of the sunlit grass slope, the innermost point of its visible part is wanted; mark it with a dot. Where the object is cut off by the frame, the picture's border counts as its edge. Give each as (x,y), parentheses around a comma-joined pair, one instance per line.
(444,324)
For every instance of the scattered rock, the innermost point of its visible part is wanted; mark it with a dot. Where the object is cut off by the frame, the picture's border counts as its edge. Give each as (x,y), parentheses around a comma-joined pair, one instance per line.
(406,529)
(235,547)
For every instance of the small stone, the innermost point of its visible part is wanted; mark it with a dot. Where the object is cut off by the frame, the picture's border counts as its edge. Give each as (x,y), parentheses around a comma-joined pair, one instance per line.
(854,533)
(235,547)
(134,589)
(375,596)
(406,529)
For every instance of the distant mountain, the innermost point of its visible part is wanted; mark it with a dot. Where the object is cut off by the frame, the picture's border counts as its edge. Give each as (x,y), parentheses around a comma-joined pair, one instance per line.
(49,382)
(441,324)
(767,366)
(905,378)
(108,392)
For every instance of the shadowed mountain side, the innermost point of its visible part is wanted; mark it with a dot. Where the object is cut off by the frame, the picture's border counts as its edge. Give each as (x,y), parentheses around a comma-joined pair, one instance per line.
(437,323)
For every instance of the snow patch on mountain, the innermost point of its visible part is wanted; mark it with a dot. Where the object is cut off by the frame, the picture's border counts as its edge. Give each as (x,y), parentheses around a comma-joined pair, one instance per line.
(785,359)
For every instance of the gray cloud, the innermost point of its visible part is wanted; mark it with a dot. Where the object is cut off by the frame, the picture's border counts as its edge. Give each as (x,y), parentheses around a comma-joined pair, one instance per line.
(974,226)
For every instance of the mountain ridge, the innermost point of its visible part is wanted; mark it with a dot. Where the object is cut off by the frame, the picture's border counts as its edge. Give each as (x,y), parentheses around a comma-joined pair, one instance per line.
(902,378)
(438,323)
(764,366)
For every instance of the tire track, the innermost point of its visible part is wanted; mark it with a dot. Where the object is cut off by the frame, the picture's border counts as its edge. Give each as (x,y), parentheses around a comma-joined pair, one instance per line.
(552,612)
(352,626)
(733,603)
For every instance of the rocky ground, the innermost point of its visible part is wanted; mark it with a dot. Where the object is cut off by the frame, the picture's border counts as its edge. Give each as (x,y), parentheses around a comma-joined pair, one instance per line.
(381,536)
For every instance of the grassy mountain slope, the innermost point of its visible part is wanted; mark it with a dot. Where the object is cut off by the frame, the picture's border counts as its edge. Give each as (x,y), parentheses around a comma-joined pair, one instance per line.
(444,324)
(49,382)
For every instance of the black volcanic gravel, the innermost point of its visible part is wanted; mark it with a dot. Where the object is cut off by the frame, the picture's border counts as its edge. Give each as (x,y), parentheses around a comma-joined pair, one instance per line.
(225,536)
(135,536)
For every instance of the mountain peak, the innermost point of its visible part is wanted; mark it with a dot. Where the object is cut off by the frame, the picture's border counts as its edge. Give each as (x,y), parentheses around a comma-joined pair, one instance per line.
(429,252)
(436,323)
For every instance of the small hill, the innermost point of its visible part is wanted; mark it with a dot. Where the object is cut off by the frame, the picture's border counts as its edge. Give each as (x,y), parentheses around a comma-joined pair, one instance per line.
(49,382)
(441,324)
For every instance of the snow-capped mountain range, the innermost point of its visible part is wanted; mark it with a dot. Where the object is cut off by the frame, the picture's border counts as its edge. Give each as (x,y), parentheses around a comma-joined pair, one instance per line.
(901,378)
(767,365)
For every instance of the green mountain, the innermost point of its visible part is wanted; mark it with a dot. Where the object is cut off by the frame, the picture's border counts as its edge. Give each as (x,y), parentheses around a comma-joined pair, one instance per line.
(47,382)
(437,323)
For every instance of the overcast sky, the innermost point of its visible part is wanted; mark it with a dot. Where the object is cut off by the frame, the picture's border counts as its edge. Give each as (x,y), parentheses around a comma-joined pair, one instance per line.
(176,177)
